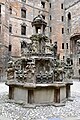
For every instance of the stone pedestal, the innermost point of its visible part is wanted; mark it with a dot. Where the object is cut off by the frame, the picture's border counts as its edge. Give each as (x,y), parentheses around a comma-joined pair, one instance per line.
(30,93)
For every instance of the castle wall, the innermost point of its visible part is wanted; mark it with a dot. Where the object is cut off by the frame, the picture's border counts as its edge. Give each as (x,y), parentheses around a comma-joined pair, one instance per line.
(57,24)
(32,10)
(4,38)
(73,30)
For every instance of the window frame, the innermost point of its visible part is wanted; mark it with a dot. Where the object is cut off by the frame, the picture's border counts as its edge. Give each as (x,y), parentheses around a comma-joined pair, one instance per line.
(23,13)
(0,8)
(67,46)
(10,28)
(50,17)
(50,29)
(10,9)
(23,1)
(62,6)
(43,4)
(62,18)
(50,5)
(62,30)
(79,60)
(23,27)
(10,48)
(62,45)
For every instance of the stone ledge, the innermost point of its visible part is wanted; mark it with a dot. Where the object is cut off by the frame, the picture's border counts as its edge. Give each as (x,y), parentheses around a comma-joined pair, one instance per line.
(33,85)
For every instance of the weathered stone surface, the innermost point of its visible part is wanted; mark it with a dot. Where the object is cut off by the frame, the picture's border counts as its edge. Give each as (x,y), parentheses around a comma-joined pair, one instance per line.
(4,118)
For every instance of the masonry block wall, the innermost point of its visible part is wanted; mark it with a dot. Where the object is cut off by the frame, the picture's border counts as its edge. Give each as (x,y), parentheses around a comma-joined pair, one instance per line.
(57,24)
(4,36)
(20,13)
(53,13)
(72,27)
(31,9)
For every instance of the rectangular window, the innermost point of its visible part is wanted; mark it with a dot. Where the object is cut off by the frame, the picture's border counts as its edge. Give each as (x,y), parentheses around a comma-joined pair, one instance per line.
(79,60)
(10,10)
(50,5)
(66,45)
(23,13)
(10,46)
(50,29)
(62,30)
(43,4)
(62,18)
(50,17)
(0,8)
(10,28)
(68,30)
(62,45)
(38,29)
(62,6)
(71,61)
(23,30)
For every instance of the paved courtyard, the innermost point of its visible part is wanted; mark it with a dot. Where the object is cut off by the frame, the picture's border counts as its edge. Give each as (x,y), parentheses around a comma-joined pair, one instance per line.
(11,111)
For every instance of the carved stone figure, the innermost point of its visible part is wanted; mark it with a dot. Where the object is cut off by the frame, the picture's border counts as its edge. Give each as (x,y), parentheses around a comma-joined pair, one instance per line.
(53,48)
(10,70)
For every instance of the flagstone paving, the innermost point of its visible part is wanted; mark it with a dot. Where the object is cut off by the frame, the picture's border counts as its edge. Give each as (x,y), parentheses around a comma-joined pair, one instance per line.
(12,111)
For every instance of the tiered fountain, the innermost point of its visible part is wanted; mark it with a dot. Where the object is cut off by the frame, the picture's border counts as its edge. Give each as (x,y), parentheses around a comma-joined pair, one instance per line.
(38,76)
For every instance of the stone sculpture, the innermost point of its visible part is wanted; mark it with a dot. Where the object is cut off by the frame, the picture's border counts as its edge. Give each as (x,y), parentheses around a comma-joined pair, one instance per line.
(39,76)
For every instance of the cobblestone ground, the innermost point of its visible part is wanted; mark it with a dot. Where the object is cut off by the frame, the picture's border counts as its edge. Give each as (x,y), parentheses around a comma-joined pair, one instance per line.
(17,112)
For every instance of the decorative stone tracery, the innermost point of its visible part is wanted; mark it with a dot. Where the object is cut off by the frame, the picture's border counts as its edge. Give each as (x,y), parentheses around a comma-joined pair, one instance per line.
(37,73)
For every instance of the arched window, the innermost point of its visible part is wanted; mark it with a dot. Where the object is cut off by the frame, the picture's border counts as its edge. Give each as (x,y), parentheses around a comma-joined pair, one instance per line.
(69,16)
(69,22)
(23,12)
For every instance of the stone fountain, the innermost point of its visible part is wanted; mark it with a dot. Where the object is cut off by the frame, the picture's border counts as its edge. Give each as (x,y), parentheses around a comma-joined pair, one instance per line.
(39,76)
